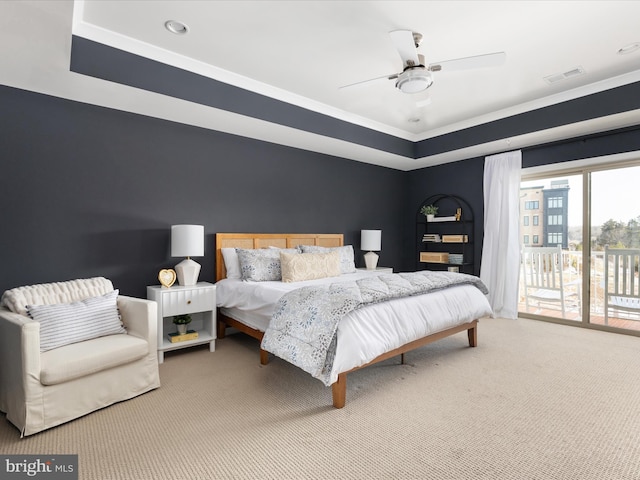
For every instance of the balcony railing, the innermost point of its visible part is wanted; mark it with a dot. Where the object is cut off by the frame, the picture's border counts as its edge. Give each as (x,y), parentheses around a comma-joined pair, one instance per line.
(621,276)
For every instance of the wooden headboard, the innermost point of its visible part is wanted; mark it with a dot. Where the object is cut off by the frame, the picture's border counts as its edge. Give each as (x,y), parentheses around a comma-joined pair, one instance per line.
(266,240)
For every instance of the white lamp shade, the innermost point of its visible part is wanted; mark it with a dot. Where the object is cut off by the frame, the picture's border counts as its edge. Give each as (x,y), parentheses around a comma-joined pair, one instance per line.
(371,240)
(187,241)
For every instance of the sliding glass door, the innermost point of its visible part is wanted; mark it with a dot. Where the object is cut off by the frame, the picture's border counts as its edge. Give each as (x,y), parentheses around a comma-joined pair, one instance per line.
(615,216)
(580,240)
(552,247)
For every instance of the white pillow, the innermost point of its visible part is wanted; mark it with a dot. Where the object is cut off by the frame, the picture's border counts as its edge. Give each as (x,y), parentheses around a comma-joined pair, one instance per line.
(347,259)
(231,262)
(298,267)
(65,323)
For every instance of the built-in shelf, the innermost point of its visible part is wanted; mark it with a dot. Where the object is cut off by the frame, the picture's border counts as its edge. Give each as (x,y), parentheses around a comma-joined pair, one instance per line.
(454,218)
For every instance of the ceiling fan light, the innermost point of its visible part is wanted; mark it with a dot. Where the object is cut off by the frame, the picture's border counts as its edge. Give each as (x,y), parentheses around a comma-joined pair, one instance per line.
(414,81)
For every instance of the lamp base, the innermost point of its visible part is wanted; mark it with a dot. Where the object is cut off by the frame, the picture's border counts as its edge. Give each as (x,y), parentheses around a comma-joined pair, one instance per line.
(187,272)
(371,260)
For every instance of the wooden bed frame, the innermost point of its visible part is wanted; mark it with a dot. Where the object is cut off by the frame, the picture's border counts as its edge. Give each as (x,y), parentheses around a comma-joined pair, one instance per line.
(291,240)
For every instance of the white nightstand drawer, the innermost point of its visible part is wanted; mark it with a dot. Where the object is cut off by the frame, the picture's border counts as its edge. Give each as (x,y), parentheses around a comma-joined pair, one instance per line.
(188,301)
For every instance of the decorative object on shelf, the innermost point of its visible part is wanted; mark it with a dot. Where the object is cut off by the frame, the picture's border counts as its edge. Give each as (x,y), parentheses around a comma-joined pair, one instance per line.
(456,258)
(167,277)
(176,337)
(187,241)
(434,257)
(429,211)
(371,240)
(455,238)
(181,322)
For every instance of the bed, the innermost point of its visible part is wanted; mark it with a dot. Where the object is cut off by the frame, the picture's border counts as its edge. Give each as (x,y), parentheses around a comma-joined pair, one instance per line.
(366,335)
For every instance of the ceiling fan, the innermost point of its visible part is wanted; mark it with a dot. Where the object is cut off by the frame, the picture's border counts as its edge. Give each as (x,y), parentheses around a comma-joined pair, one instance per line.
(416,75)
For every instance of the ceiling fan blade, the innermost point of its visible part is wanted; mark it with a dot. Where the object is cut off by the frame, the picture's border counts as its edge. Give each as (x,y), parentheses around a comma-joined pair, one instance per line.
(477,61)
(405,44)
(371,80)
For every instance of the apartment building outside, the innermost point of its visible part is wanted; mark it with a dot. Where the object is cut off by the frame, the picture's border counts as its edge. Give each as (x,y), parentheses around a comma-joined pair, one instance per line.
(544,215)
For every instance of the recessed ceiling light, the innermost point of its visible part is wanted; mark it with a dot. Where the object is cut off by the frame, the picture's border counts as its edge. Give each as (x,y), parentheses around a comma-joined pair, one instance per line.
(414,120)
(632,47)
(176,27)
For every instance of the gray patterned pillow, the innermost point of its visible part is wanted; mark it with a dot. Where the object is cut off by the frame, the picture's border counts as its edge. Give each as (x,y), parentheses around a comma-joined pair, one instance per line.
(262,264)
(66,323)
(347,260)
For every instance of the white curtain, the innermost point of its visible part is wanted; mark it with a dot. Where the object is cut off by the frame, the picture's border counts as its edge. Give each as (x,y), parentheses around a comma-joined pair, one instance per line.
(501,247)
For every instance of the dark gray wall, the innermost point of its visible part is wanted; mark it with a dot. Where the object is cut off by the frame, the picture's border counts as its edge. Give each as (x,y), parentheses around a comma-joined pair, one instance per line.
(91,191)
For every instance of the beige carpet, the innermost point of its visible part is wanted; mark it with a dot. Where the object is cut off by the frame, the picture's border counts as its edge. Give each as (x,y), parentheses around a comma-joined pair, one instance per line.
(533,401)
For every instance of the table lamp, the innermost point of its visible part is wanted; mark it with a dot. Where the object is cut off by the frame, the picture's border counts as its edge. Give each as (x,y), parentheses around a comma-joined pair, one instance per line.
(187,241)
(371,240)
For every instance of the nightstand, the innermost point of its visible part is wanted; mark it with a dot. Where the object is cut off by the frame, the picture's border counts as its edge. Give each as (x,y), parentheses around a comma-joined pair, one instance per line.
(377,270)
(198,300)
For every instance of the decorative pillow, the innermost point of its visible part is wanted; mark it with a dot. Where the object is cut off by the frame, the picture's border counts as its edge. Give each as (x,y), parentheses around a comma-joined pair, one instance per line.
(309,266)
(347,260)
(65,323)
(258,265)
(231,262)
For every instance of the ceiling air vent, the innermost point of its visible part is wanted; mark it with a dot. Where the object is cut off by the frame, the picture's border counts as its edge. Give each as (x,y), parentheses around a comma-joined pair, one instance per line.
(574,72)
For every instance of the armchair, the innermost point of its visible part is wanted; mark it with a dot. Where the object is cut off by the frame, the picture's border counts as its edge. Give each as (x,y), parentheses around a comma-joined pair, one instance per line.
(42,389)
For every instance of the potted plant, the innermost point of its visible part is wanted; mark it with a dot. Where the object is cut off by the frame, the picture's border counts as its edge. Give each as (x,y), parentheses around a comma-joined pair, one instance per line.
(181,322)
(429,211)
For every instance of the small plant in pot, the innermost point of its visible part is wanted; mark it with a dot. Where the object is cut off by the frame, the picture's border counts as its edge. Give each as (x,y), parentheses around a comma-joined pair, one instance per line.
(429,211)
(181,322)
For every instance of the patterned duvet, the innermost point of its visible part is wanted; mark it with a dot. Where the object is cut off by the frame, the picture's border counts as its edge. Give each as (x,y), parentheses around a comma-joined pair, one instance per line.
(304,325)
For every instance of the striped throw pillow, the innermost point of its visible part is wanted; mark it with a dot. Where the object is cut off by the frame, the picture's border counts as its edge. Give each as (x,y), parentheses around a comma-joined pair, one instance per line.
(66,323)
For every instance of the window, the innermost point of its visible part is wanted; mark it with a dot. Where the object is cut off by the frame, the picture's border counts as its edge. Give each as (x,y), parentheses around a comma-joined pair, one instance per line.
(532,205)
(555,219)
(554,202)
(536,239)
(526,239)
(536,220)
(554,239)
(526,221)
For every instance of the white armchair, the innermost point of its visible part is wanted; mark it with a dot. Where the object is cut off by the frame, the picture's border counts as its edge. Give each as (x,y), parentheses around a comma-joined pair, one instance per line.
(43,389)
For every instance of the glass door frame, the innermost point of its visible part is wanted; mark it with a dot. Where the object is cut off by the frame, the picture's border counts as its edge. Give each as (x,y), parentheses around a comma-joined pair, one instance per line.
(584,168)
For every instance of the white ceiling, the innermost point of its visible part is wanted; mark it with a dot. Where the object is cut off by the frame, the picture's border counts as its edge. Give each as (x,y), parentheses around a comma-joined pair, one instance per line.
(301,52)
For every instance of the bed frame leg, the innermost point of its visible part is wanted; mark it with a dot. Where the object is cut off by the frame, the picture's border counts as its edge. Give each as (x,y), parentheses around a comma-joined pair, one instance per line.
(402,358)
(473,335)
(264,357)
(222,329)
(339,391)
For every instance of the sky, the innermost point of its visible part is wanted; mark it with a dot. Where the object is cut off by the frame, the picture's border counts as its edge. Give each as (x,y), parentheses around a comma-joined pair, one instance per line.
(615,195)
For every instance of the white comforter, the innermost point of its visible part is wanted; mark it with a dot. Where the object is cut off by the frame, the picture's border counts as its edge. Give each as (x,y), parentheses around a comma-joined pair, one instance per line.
(367,332)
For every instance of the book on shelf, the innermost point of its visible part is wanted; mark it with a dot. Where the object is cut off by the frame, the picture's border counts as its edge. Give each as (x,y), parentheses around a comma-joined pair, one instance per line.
(178,337)
(431,237)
